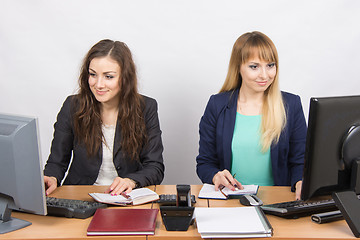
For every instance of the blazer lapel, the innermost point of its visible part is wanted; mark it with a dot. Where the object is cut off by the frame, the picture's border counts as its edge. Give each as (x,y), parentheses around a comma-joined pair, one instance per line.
(274,154)
(229,125)
(117,145)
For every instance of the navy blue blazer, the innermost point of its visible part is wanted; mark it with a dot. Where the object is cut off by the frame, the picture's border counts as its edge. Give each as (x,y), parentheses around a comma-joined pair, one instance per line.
(216,133)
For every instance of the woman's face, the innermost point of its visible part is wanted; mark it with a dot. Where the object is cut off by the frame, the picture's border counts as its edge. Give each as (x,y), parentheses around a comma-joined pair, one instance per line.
(104,78)
(257,75)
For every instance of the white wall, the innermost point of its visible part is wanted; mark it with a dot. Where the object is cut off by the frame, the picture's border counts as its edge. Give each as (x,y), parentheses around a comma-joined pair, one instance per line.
(181,48)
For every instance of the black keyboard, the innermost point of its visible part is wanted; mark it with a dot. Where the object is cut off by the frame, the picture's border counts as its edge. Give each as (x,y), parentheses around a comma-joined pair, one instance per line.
(296,209)
(72,208)
(170,199)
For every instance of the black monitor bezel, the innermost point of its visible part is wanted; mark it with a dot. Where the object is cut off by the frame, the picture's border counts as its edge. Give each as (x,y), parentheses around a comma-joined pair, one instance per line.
(329,120)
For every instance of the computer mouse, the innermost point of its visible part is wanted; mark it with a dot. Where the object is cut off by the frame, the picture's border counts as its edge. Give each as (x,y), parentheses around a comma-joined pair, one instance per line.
(250,200)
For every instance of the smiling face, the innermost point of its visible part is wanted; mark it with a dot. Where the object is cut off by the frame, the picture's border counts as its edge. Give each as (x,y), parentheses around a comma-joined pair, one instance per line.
(104,80)
(257,75)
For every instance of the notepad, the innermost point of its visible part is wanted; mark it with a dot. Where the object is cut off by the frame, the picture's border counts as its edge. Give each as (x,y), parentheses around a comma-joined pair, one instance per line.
(136,197)
(208,191)
(236,222)
(115,221)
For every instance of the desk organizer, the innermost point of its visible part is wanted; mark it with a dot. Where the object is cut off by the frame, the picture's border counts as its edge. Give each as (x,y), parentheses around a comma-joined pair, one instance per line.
(177,218)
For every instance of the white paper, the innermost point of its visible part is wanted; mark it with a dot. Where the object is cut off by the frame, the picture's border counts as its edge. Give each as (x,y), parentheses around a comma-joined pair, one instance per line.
(230,222)
(208,191)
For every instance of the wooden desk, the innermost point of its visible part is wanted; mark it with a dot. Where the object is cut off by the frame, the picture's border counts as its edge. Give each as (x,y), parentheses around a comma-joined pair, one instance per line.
(47,227)
(302,228)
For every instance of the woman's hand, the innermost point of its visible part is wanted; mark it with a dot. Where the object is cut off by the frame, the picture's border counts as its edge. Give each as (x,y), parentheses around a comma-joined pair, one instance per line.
(120,185)
(298,186)
(224,178)
(50,184)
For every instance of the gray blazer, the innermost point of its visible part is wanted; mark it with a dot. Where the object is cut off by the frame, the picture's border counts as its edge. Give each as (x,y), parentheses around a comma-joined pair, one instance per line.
(148,170)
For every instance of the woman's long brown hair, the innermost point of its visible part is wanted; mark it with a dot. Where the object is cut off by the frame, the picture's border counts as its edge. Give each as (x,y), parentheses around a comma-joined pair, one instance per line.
(87,117)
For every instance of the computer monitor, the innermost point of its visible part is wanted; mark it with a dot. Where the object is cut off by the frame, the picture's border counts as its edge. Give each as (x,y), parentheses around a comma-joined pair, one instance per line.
(21,175)
(332,146)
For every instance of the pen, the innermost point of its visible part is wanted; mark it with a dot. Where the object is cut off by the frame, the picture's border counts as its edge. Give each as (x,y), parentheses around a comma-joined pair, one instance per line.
(125,195)
(221,187)
(235,185)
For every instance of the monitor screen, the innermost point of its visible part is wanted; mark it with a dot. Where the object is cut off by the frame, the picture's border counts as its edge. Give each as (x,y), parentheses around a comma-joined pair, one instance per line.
(330,120)
(21,175)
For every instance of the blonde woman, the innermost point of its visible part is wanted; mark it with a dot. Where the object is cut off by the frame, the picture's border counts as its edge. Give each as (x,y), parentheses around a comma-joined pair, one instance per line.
(251,129)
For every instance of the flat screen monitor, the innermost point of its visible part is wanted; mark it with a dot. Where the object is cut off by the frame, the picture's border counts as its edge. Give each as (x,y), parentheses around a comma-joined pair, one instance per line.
(21,175)
(332,146)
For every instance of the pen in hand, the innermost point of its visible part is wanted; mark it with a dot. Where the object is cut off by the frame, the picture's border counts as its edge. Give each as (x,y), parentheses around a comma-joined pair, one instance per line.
(235,185)
(221,187)
(225,178)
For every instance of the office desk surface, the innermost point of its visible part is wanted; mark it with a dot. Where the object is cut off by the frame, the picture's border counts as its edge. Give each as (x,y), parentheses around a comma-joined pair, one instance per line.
(301,228)
(48,227)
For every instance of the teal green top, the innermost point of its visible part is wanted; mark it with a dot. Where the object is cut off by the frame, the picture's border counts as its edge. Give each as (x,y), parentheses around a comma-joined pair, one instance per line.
(249,163)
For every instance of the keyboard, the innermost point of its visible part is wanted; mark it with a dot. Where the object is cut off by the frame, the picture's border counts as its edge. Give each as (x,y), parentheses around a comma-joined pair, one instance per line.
(296,209)
(72,208)
(170,199)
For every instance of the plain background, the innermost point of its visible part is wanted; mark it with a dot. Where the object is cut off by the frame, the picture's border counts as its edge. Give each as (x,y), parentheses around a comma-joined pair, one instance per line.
(181,49)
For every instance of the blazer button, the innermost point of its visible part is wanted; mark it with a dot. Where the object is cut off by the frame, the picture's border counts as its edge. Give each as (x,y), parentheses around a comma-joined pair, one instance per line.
(118,168)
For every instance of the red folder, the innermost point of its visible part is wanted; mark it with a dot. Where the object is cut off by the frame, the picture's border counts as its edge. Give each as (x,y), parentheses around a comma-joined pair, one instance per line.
(123,222)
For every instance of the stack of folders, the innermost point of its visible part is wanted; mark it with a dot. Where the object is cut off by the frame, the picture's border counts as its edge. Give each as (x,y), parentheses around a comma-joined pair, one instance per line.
(235,222)
(112,221)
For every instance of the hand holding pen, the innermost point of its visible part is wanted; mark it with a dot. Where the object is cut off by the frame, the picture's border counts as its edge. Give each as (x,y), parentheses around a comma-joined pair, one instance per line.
(225,179)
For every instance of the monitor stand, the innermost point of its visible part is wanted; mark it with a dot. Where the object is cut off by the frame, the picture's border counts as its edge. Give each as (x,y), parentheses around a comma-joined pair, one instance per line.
(7,223)
(348,203)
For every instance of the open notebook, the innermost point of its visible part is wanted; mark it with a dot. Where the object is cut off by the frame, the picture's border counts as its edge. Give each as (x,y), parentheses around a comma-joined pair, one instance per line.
(135,197)
(208,191)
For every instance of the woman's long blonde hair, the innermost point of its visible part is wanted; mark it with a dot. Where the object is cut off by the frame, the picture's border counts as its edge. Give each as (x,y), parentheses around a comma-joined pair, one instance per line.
(273,110)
